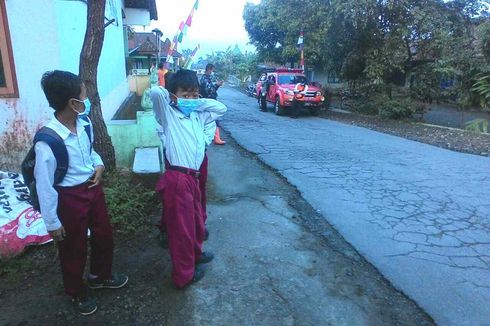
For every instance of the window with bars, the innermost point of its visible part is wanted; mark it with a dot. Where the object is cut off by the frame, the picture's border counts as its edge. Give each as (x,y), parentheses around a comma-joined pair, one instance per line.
(8,80)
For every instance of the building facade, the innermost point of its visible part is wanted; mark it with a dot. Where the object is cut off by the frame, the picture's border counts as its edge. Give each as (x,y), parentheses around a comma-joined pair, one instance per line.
(42,35)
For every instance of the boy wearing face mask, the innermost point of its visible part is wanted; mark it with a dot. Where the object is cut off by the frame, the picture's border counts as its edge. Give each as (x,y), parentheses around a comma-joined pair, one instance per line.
(77,203)
(186,124)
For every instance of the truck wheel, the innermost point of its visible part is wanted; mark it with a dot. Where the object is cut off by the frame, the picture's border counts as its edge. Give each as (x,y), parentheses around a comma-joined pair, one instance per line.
(278,109)
(262,103)
(314,111)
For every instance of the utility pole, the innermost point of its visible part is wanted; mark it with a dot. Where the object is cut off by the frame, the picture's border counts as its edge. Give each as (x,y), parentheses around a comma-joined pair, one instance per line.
(158,35)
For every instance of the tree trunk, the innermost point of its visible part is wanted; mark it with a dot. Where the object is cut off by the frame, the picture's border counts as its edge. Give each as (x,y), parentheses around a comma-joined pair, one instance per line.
(89,61)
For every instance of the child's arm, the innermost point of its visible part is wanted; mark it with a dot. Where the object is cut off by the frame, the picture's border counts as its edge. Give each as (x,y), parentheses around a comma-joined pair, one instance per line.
(48,196)
(96,159)
(161,104)
(211,110)
(99,168)
(209,131)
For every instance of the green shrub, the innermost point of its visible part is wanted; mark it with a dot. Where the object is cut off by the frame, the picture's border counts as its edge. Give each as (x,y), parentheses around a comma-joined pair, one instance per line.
(364,106)
(397,109)
(130,203)
(477,125)
(482,89)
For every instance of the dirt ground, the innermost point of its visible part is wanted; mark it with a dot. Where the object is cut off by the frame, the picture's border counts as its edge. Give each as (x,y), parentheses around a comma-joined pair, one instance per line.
(278,262)
(453,139)
(435,134)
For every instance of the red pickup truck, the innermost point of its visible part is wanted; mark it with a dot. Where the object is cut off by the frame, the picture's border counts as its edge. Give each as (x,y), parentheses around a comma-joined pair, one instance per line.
(288,89)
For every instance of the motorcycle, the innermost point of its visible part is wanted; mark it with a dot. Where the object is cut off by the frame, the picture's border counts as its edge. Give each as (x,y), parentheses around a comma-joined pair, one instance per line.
(251,90)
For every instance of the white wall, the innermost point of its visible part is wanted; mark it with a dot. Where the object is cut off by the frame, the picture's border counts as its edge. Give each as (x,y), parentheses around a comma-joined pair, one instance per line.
(322,78)
(47,35)
(111,74)
(137,16)
(35,50)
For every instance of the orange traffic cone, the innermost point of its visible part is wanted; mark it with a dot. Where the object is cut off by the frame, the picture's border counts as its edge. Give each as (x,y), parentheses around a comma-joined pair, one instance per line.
(217,138)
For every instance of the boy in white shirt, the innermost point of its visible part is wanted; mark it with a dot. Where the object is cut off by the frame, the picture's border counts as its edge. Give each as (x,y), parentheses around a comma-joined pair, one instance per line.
(77,203)
(184,121)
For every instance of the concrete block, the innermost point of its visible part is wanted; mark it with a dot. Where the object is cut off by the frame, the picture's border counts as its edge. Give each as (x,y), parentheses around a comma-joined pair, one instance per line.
(146,160)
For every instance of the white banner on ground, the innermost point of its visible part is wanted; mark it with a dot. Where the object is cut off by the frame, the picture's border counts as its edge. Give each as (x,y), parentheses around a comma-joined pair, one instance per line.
(20,224)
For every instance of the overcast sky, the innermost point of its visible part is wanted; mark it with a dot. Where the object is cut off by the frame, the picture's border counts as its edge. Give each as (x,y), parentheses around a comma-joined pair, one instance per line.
(216,25)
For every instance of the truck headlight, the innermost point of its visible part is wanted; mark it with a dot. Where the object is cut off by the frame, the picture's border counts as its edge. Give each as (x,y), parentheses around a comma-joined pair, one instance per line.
(318,93)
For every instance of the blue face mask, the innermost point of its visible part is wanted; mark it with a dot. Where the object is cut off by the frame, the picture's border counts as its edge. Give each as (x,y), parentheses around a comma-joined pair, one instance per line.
(87,105)
(188,105)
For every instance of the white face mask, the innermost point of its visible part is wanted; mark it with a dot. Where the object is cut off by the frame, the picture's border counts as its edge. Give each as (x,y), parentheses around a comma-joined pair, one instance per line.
(87,105)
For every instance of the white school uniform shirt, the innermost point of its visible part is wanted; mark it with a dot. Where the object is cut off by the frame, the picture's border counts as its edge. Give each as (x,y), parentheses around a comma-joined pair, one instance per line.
(81,166)
(209,131)
(185,138)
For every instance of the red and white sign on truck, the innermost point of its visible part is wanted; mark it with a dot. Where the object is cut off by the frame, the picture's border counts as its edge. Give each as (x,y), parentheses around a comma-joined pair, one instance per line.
(288,89)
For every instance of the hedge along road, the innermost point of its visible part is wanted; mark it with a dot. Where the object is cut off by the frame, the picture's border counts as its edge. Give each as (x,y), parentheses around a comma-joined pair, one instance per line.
(418,213)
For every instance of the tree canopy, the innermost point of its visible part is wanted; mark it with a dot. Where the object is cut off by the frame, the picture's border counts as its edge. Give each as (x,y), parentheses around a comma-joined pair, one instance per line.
(378,41)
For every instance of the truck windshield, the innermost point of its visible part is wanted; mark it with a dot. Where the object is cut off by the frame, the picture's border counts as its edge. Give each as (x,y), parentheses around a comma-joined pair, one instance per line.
(291,79)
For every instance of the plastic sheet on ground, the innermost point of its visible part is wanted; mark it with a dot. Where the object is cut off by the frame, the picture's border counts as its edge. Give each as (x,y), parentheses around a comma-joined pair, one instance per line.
(20,224)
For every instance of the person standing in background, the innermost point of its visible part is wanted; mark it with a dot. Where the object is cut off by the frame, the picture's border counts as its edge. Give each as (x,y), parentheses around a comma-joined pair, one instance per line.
(209,89)
(161,74)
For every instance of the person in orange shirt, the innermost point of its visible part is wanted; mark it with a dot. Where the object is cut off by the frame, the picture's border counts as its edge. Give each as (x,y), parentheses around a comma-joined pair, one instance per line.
(161,74)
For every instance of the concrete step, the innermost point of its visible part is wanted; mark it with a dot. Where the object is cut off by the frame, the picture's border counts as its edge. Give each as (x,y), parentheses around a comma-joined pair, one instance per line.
(146,160)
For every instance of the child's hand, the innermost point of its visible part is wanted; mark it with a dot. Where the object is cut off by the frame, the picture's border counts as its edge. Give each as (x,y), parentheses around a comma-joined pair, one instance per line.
(97,177)
(58,234)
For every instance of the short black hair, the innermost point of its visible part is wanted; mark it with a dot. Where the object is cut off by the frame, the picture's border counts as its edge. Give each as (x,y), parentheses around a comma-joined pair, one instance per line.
(160,65)
(209,66)
(59,87)
(183,79)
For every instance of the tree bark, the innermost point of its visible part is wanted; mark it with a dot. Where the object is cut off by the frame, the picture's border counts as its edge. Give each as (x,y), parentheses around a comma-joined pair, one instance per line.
(89,61)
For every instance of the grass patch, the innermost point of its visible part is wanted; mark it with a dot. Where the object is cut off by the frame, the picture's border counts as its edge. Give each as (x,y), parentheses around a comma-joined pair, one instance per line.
(34,260)
(10,268)
(130,203)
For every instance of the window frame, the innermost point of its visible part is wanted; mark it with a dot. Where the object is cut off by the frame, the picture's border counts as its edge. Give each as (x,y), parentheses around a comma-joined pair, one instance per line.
(11,89)
(333,78)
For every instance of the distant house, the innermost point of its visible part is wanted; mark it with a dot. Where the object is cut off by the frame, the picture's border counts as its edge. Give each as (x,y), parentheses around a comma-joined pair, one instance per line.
(37,36)
(327,79)
(142,50)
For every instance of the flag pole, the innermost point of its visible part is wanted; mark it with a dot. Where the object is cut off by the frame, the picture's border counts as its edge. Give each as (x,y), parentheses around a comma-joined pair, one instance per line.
(301,46)
(303,60)
(184,26)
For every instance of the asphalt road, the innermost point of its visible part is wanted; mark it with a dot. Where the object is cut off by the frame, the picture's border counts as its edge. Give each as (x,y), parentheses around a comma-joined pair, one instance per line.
(277,262)
(419,214)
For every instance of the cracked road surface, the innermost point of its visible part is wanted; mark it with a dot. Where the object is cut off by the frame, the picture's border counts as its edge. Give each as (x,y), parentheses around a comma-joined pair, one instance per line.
(277,262)
(420,214)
